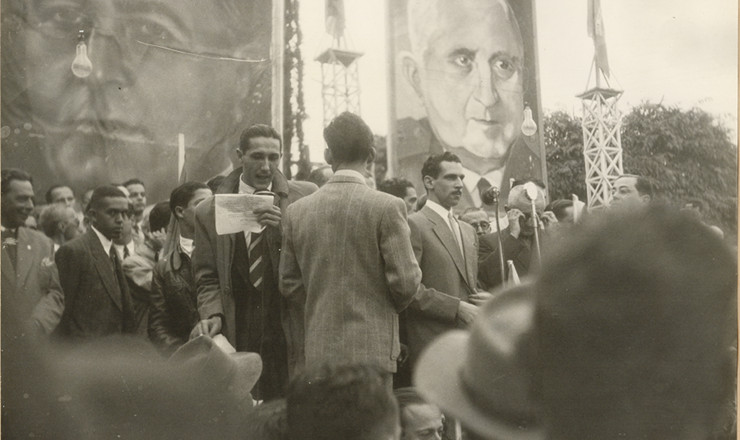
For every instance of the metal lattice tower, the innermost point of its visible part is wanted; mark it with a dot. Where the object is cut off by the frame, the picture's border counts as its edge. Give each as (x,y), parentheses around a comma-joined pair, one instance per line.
(602,143)
(340,82)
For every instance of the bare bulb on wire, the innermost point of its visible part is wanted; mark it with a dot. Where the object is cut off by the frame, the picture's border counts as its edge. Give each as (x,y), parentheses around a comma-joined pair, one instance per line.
(81,65)
(529,127)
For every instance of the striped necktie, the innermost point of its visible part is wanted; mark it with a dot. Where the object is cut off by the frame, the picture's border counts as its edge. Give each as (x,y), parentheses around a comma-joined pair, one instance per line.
(257,262)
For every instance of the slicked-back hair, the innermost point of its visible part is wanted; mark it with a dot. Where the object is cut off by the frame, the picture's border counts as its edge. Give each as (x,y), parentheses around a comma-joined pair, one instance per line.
(134,181)
(182,195)
(10,174)
(433,165)
(340,402)
(102,192)
(395,186)
(50,191)
(349,138)
(643,185)
(159,216)
(257,131)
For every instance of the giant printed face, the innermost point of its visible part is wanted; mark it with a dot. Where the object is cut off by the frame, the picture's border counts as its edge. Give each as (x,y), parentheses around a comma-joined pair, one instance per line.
(159,68)
(467,70)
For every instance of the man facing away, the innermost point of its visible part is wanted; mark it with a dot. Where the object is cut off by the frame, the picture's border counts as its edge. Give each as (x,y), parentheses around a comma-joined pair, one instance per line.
(347,258)
(236,275)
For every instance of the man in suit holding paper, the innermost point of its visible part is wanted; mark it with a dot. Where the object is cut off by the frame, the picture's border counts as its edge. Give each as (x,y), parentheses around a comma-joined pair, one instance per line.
(236,275)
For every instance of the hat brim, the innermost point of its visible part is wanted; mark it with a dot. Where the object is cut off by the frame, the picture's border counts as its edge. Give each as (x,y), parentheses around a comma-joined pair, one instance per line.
(249,369)
(438,378)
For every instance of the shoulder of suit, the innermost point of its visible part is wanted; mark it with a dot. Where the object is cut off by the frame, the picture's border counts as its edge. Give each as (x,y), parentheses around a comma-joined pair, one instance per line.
(37,237)
(301,188)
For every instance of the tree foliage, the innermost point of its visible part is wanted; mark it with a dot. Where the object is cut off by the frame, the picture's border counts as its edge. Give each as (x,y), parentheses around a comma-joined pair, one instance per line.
(687,154)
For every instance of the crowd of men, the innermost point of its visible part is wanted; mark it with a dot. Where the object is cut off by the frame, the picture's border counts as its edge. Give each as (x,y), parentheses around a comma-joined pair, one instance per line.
(357,313)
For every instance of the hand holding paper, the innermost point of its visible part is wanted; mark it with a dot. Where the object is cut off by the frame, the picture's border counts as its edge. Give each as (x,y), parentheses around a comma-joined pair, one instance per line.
(238,212)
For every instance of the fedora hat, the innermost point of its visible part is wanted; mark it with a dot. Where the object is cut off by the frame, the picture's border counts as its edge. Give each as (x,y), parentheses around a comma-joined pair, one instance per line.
(217,362)
(480,376)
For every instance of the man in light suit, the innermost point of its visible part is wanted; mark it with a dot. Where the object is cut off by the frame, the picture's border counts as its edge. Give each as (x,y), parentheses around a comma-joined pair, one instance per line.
(347,258)
(446,250)
(97,298)
(233,298)
(30,281)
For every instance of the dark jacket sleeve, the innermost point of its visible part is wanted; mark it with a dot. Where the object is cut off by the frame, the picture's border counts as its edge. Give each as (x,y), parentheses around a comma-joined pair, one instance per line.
(489,266)
(159,329)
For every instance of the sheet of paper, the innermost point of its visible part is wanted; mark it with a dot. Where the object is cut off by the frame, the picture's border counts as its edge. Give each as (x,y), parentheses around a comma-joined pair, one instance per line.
(234,212)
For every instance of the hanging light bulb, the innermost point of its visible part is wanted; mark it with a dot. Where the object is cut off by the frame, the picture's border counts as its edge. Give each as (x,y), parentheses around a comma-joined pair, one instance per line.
(81,66)
(529,127)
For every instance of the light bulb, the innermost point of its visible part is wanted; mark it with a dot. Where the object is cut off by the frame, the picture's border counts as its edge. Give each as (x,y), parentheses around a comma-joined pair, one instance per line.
(529,127)
(82,66)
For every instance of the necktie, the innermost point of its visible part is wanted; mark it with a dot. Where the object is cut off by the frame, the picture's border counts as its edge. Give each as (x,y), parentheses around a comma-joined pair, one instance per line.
(126,253)
(456,233)
(10,244)
(257,262)
(129,325)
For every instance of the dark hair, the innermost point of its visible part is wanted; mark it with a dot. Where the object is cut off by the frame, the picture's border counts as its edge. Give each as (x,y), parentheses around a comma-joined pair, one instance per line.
(134,181)
(340,402)
(643,185)
(51,189)
(432,166)
(255,131)
(349,138)
(182,195)
(10,174)
(395,186)
(159,216)
(102,192)
(634,324)
(408,396)
(558,208)
(215,182)
(267,421)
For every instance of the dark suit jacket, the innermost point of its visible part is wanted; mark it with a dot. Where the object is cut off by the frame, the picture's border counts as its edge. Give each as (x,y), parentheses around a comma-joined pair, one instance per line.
(214,254)
(347,256)
(416,142)
(32,290)
(520,250)
(443,269)
(92,296)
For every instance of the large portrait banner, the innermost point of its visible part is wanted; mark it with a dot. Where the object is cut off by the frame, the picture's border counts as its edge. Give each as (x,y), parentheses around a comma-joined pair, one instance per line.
(162,78)
(463,78)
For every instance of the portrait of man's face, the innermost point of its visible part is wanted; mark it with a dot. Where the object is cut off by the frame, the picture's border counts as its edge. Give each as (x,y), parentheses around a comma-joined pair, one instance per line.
(467,69)
(159,68)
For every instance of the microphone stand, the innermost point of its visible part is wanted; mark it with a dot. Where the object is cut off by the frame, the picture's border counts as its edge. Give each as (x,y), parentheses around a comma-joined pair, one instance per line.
(493,194)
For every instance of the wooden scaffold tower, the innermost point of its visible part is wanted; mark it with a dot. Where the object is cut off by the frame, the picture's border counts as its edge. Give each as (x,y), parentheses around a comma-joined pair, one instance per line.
(602,121)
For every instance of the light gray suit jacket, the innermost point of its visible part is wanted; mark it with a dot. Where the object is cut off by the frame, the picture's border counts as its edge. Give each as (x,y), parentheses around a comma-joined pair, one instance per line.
(347,257)
(444,269)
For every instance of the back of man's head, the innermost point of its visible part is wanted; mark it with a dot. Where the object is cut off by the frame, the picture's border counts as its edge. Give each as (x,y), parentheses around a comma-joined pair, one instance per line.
(346,402)
(395,186)
(349,139)
(635,325)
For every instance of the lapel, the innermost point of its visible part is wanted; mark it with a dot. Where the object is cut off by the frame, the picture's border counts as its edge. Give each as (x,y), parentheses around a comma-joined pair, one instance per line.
(25,257)
(444,233)
(103,266)
(468,237)
(8,272)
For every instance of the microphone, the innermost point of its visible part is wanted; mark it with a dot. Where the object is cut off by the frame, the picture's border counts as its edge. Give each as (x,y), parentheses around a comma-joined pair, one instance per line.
(490,196)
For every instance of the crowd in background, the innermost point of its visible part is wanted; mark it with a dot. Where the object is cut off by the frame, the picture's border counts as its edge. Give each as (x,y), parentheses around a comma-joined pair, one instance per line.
(362,313)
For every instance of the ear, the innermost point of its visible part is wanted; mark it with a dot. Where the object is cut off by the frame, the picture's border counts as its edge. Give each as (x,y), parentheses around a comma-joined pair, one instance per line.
(428,183)
(645,198)
(410,70)
(239,153)
(328,156)
(371,155)
(178,212)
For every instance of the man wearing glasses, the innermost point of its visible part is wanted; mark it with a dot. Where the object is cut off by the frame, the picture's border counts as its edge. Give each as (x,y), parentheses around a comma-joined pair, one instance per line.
(159,68)
(478,219)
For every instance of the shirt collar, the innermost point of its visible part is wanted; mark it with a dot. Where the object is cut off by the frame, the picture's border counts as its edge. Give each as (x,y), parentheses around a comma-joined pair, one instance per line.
(350,173)
(103,240)
(439,209)
(245,188)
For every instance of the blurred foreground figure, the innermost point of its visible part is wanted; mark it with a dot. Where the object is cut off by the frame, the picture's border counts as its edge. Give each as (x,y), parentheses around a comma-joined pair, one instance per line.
(420,420)
(341,403)
(636,331)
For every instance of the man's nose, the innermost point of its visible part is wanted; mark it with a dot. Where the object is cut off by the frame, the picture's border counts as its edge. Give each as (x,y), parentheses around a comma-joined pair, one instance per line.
(485,90)
(111,62)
